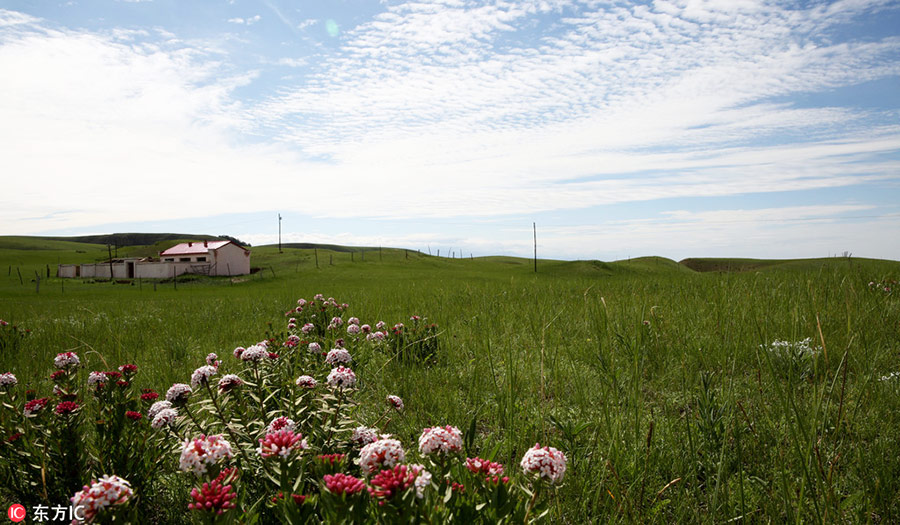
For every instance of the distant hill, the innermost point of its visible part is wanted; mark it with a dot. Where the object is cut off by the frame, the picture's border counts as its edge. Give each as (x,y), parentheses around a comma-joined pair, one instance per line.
(142,239)
(709,264)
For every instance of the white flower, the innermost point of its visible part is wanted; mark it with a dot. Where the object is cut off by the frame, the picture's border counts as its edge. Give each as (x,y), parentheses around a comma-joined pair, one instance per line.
(179,393)
(315,348)
(7,379)
(335,322)
(375,336)
(353,320)
(106,492)
(66,360)
(380,324)
(301,302)
(307,328)
(281,423)
(158,407)
(546,462)
(318,297)
(364,435)
(255,353)
(423,480)
(201,375)
(342,377)
(338,356)
(212,359)
(306,382)
(199,453)
(229,382)
(353,329)
(238,352)
(395,402)
(382,454)
(95,378)
(444,440)
(164,417)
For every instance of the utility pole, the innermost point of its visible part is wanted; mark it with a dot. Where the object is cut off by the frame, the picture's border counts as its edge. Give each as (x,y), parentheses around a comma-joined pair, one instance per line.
(534,225)
(279,233)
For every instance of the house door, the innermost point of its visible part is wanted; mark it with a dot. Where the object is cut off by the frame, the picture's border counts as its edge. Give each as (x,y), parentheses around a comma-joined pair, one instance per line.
(130,270)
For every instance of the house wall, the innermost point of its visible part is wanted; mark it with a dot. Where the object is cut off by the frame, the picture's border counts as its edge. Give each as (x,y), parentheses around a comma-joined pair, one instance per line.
(162,270)
(230,260)
(66,270)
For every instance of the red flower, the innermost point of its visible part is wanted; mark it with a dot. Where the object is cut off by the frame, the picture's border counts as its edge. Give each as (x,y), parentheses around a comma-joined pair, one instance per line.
(387,483)
(339,484)
(56,376)
(149,396)
(213,497)
(128,370)
(134,416)
(66,408)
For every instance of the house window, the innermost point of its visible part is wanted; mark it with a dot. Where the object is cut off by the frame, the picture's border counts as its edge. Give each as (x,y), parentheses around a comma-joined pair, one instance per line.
(184,259)
(170,259)
(201,259)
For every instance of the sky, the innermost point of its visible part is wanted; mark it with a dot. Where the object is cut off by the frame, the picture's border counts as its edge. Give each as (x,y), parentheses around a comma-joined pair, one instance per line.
(678,128)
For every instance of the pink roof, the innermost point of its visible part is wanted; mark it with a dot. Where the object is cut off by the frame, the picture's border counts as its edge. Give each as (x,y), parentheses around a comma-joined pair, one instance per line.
(186,248)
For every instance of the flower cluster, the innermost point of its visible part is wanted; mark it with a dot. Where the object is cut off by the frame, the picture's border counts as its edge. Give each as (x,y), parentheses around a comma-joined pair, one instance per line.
(443,440)
(201,375)
(35,405)
(477,465)
(364,435)
(306,382)
(179,393)
(101,494)
(66,408)
(214,497)
(340,484)
(395,402)
(255,353)
(281,443)
(7,379)
(66,360)
(198,454)
(281,423)
(544,462)
(229,382)
(342,377)
(383,453)
(338,356)
(388,483)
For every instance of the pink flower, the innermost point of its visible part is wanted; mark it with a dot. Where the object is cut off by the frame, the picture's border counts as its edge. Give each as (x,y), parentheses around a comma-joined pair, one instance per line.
(340,484)
(213,497)
(229,382)
(255,353)
(545,462)
(338,356)
(353,329)
(149,396)
(8,379)
(281,423)
(164,417)
(238,352)
(444,440)
(35,405)
(179,393)
(200,453)
(102,494)
(306,382)
(281,443)
(307,328)
(212,359)
(128,370)
(388,483)
(395,402)
(66,360)
(364,435)
(384,453)
(482,466)
(342,377)
(201,375)
(315,348)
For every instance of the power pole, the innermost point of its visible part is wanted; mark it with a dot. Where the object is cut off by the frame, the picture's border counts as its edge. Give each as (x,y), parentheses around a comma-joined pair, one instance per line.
(279,233)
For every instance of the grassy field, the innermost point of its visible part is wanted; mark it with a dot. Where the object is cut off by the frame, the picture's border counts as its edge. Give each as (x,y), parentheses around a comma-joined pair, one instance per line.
(659,382)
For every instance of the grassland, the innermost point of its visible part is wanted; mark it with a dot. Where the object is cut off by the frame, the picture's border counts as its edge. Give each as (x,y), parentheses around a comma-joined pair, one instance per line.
(655,379)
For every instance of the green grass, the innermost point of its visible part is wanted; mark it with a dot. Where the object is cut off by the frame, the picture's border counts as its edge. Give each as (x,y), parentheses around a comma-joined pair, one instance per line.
(648,374)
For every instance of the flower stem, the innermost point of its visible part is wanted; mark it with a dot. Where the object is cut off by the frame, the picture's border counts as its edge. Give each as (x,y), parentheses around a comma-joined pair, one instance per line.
(237,442)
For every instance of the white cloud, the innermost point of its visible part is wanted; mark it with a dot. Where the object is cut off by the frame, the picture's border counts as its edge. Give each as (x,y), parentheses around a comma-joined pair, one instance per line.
(437,109)
(245,21)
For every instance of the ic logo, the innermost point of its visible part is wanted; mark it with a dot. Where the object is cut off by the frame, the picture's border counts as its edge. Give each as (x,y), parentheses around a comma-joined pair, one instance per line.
(16,512)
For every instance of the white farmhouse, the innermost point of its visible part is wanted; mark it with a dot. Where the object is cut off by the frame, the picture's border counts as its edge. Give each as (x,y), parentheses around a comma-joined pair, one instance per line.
(221,257)
(205,257)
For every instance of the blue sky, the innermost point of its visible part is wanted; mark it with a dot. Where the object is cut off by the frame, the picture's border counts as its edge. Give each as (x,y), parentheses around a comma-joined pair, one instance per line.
(675,127)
